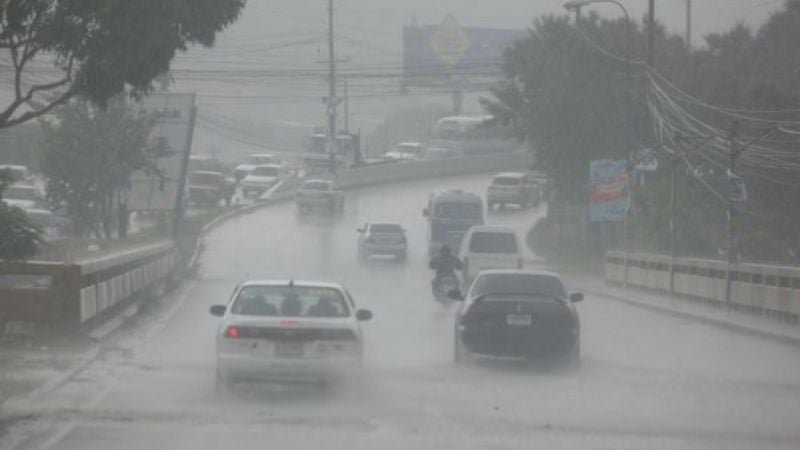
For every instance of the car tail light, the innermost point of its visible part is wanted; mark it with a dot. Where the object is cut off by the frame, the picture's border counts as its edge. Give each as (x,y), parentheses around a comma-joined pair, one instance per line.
(233,332)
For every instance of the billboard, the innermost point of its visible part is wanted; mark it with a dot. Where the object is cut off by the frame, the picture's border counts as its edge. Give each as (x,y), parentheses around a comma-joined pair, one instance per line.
(609,192)
(438,53)
(175,125)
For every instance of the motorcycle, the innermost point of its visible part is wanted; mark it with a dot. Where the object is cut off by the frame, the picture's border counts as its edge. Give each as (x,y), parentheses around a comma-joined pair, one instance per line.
(444,287)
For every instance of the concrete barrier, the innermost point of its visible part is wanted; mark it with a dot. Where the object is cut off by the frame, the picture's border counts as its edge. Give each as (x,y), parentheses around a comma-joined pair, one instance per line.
(81,295)
(767,290)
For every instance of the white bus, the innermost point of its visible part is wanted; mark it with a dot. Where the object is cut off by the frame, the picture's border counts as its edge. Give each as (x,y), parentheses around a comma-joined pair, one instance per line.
(472,135)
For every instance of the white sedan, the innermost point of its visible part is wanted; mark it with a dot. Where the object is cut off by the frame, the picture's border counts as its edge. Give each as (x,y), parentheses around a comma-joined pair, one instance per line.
(263,177)
(288,331)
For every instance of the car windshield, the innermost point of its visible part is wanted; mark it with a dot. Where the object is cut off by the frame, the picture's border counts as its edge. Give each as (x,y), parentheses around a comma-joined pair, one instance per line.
(386,228)
(317,186)
(286,301)
(266,171)
(530,284)
(20,193)
(506,181)
(493,242)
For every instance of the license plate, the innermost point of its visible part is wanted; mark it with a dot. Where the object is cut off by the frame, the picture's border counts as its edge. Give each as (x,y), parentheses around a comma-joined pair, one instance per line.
(518,319)
(289,349)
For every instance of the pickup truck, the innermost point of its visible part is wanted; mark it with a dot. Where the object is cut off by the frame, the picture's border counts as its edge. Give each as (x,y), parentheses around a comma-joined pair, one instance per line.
(319,194)
(208,188)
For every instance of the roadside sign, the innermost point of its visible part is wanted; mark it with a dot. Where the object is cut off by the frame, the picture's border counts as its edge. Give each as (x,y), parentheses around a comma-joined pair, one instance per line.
(450,42)
(609,191)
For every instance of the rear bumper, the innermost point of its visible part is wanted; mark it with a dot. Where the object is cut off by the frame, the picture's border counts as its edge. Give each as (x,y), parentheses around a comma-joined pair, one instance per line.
(286,370)
(528,342)
(385,249)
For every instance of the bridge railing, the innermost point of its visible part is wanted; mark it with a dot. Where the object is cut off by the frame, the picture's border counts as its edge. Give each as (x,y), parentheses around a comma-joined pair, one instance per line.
(762,289)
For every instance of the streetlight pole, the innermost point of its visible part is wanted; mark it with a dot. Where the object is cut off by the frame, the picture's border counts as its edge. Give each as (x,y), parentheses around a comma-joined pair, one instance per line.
(331,90)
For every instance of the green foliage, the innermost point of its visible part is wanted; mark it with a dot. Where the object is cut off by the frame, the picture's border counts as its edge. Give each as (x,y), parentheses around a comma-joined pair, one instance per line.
(88,155)
(19,236)
(102,47)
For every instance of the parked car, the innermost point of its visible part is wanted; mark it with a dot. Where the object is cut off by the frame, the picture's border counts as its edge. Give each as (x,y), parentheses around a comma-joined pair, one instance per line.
(263,177)
(512,188)
(250,163)
(208,188)
(382,238)
(288,331)
(489,247)
(518,314)
(317,193)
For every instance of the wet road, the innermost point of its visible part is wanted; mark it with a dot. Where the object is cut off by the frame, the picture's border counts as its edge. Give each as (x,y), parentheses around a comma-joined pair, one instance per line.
(647,380)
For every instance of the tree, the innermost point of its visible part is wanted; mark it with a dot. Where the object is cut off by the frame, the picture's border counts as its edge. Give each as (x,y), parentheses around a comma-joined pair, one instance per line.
(568,101)
(19,236)
(88,155)
(98,48)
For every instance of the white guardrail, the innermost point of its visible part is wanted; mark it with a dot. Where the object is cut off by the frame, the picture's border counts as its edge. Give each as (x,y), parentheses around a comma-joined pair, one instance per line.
(761,289)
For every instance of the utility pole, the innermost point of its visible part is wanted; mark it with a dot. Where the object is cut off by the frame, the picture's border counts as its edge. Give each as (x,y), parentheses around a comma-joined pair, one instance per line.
(732,245)
(331,90)
(673,199)
(689,24)
(651,32)
(346,107)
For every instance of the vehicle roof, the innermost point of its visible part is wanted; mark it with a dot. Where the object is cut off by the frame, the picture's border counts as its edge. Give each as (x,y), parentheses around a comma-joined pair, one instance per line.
(492,229)
(457,194)
(275,166)
(13,166)
(410,144)
(301,283)
(318,180)
(206,172)
(386,223)
(510,175)
(22,185)
(262,155)
(519,272)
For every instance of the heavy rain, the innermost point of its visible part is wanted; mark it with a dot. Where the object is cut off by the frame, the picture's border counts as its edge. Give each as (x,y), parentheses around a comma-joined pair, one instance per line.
(439,224)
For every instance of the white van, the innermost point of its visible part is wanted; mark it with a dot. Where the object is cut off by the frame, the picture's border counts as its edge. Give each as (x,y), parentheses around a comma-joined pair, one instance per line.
(489,247)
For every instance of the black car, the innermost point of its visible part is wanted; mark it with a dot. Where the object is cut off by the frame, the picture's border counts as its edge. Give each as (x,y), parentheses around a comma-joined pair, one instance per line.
(518,314)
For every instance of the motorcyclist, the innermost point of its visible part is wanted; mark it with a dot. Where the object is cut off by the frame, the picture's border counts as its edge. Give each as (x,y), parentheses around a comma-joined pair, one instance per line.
(445,264)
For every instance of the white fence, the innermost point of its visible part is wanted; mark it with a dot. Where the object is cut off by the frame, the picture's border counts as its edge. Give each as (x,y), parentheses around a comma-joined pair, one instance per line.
(755,288)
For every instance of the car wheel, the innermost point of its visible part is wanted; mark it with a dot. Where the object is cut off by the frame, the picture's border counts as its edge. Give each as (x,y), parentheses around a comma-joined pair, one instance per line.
(224,385)
(460,354)
(571,360)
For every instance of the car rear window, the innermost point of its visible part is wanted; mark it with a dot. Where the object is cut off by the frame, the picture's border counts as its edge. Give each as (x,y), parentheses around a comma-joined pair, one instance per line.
(266,171)
(317,186)
(295,301)
(204,178)
(493,242)
(506,181)
(522,283)
(386,228)
(459,210)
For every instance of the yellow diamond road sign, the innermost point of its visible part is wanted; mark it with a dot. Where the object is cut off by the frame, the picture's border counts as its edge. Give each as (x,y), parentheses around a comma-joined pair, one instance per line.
(450,42)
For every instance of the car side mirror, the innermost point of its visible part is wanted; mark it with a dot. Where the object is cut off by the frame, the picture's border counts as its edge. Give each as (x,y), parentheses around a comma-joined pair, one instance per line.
(363,315)
(576,297)
(359,230)
(218,310)
(425,212)
(455,294)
